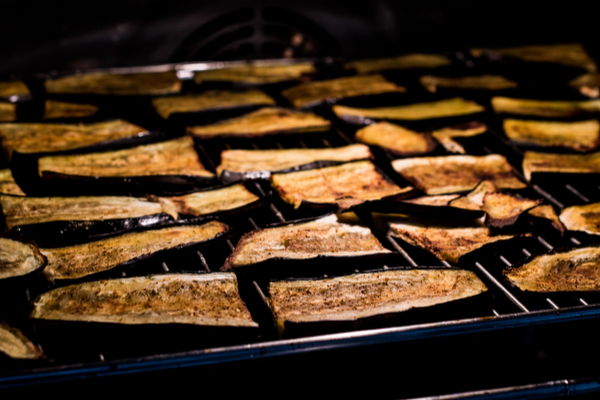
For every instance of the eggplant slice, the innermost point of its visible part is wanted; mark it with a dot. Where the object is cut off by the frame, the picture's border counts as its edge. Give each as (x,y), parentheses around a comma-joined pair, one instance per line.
(445,136)
(85,260)
(577,270)
(451,174)
(249,164)
(584,218)
(8,112)
(257,74)
(411,112)
(587,84)
(15,345)
(19,258)
(546,213)
(545,108)
(330,236)
(54,109)
(474,199)
(435,207)
(313,93)
(8,184)
(481,82)
(503,209)
(404,62)
(191,299)
(534,162)
(580,135)
(397,139)
(344,185)
(14,89)
(103,83)
(209,101)
(33,138)
(266,121)
(175,158)
(570,54)
(360,296)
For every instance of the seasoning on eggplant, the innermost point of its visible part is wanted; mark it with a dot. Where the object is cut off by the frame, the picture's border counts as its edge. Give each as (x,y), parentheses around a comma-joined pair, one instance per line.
(8,184)
(413,112)
(54,109)
(546,212)
(570,54)
(446,135)
(312,93)
(504,209)
(8,112)
(266,121)
(474,199)
(442,200)
(191,299)
(15,345)
(103,83)
(446,242)
(560,163)
(345,185)
(587,84)
(175,157)
(545,108)
(256,74)
(52,138)
(263,161)
(451,174)
(481,82)
(396,139)
(76,262)
(13,88)
(353,297)
(585,218)
(404,62)
(576,270)
(209,101)
(19,258)
(579,136)
(332,236)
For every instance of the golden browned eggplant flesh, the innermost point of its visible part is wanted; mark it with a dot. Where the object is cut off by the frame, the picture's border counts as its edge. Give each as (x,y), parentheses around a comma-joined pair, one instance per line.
(257,74)
(8,112)
(19,258)
(545,108)
(481,82)
(116,84)
(396,139)
(404,62)
(584,218)
(535,162)
(8,184)
(579,136)
(54,109)
(15,345)
(192,299)
(13,88)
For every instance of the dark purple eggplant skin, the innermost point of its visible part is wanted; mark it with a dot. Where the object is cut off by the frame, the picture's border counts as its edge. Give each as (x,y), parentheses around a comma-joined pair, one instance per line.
(21,281)
(436,212)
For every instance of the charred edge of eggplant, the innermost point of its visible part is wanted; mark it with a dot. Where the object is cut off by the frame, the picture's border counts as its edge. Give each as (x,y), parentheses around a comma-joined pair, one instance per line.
(553,148)
(19,282)
(148,259)
(206,116)
(502,223)
(543,224)
(432,147)
(251,136)
(421,125)
(439,212)
(519,70)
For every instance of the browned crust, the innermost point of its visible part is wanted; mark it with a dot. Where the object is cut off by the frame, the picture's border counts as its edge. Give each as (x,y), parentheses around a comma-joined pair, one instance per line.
(585,218)
(580,135)
(16,345)
(481,82)
(575,270)
(547,212)
(396,139)
(19,258)
(450,174)
(503,209)
(403,62)
(560,163)
(545,108)
(587,84)
(446,135)
(173,157)
(346,185)
(442,200)
(474,199)
(192,299)
(101,83)
(209,100)
(212,201)
(257,74)
(59,109)
(266,121)
(8,184)
(8,112)
(311,93)
(14,88)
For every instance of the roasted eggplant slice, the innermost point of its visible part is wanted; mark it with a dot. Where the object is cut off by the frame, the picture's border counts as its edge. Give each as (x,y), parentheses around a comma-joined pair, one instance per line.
(344,185)
(313,93)
(54,109)
(404,62)
(256,74)
(560,163)
(15,345)
(446,242)
(451,174)
(8,112)
(19,258)
(587,84)
(570,54)
(102,83)
(361,296)
(173,162)
(330,236)
(546,213)
(447,135)
(209,101)
(252,164)
(482,82)
(584,218)
(474,199)
(398,140)
(579,136)
(8,184)
(503,209)
(89,259)
(412,112)
(192,299)
(266,121)
(14,89)
(545,108)
(55,138)
(573,271)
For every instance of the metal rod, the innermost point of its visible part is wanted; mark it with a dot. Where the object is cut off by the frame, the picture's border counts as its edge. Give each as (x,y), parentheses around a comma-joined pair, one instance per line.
(582,301)
(401,251)
(548,196)
(343,136)
(553,304)
(505,261)
(502,288)
(577,193)
(203,261)
(231,246)
(277,213)
(252,223)
(528,254)
(326,142)
(302,143)
(446,264)
(546,244)
(260,293)
(575,241)
(496,313)
(203,150)
(164,267)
